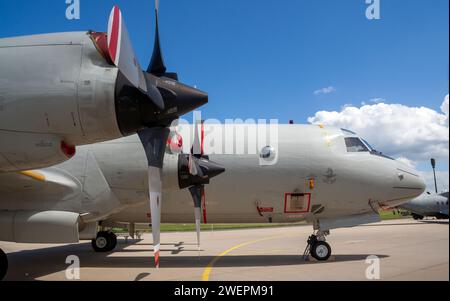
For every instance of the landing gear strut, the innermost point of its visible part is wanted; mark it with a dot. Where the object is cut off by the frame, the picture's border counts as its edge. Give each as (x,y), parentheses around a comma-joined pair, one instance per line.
(3,264)
(318,247)
(105,242)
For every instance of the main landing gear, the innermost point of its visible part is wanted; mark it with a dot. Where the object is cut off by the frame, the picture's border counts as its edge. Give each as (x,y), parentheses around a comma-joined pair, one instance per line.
(318,247)
(417,217)
(3,264)
(104,242)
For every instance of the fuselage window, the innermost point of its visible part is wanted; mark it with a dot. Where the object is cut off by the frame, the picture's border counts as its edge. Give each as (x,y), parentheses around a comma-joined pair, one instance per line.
(355,145)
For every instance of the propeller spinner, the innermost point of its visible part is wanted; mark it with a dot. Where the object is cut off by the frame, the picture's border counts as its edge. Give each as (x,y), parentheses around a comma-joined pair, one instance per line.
(145,99)
(195,170)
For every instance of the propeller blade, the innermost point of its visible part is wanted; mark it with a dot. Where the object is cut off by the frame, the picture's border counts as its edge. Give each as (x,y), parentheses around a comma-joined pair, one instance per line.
(196,151)
(155,188)
(192,166)
(154,142)
(197,213)
(157,66)
(121,50)
(197,193)
(154,93)
(197,146)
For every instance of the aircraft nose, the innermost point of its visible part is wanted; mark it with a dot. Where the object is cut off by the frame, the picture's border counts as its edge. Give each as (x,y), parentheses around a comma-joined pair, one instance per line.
(407,184)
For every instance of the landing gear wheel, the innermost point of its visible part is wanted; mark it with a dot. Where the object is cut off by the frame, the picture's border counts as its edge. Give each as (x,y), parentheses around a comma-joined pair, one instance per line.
(417,217)
(112,241)
(3,264)
(105,242)
(321,251)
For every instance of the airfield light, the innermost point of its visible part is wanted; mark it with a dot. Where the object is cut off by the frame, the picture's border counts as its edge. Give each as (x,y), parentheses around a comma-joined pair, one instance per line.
(433,165)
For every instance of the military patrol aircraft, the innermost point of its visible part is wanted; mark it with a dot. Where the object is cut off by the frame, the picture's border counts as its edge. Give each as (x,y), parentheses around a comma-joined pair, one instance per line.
(327,176)
(429,204)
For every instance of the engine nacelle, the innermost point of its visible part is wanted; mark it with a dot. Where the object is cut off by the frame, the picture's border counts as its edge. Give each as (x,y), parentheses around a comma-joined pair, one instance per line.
(67,87)
(21,151)
(58,86)
(39,227)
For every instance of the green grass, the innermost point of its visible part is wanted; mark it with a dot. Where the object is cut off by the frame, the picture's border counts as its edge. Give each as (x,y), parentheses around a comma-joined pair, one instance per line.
(212,227)
(385,215)
(218,227)
(391,214)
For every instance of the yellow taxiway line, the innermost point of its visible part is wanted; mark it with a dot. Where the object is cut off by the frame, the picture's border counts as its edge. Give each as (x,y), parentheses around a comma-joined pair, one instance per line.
(209,267)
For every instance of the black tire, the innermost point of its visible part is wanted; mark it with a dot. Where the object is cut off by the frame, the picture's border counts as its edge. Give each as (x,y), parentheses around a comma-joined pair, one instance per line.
(417,217)
(112,241)
(321,251)
(102,242)
(3,264)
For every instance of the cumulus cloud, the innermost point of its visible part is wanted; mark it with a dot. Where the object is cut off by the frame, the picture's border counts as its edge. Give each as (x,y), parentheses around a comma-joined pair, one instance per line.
(407,161)
(326,90)
(414,133)
(444,107)
(374,100)
(377,100)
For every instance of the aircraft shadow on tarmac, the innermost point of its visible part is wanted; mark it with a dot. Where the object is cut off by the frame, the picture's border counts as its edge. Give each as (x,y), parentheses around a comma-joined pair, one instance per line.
(415,223)
(435,222)
(402,224)
(32,264)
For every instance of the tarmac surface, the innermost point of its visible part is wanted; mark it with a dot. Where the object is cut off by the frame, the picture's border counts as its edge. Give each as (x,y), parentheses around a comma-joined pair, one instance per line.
(407,249)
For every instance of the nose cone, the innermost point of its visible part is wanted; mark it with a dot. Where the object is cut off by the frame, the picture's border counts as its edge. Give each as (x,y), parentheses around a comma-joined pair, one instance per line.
(207,170)
(181,99)
(407,184)
(189,98)
(211,169)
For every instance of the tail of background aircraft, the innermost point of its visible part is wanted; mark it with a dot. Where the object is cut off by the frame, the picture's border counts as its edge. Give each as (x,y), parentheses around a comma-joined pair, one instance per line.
(444,194)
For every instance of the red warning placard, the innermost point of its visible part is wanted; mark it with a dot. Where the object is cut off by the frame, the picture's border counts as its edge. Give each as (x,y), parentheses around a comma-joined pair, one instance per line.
(297,202)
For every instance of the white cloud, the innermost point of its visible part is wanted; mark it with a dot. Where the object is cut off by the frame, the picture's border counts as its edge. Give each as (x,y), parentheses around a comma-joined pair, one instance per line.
(444,107)
(414,133)
(377,100)
(347,105)
(326,90)
(407,161)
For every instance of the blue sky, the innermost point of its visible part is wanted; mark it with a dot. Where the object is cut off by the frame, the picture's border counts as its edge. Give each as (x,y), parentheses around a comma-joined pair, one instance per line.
(260,58)
(265,59)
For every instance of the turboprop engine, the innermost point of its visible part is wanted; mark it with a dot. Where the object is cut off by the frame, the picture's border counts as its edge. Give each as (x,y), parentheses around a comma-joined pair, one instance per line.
(58,91)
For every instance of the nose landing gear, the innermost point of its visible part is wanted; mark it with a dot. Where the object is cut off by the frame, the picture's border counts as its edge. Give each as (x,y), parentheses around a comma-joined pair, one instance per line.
(3,264)
(317,247)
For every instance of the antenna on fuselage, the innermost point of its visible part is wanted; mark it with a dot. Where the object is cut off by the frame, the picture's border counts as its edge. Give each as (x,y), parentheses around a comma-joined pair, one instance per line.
(433,165)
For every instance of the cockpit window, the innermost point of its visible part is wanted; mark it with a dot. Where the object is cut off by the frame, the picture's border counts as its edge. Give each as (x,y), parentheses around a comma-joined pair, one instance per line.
(368,145)
(355,145)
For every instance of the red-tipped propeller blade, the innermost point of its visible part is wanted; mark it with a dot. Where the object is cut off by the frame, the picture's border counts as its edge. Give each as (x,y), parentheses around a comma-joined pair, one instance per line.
(121,50)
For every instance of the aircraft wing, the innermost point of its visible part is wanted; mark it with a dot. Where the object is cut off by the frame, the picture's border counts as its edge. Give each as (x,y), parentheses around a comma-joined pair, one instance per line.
(78,186)
(36,189)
